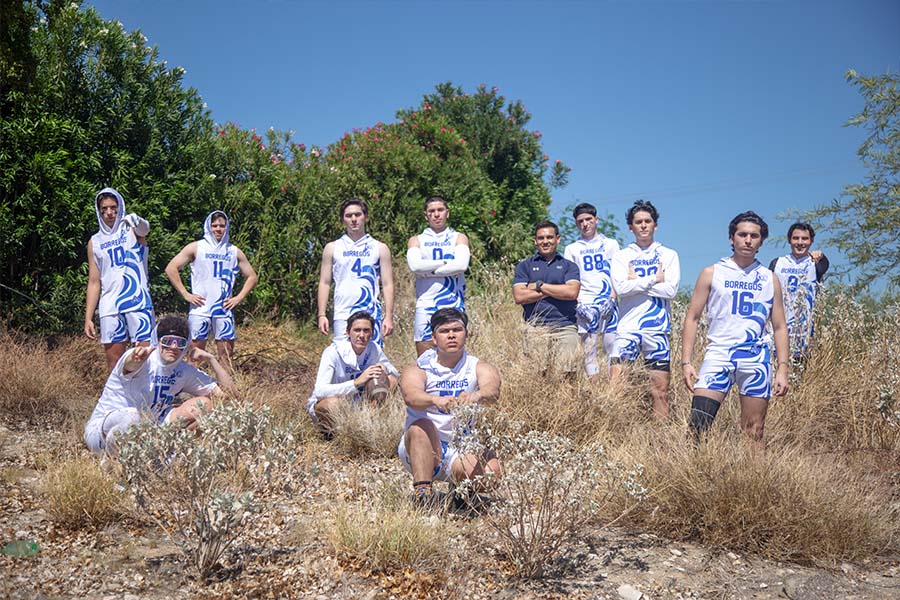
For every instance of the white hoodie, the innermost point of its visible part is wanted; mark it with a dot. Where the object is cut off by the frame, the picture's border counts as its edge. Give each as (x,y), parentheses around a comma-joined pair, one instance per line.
(121,260)
(213,270)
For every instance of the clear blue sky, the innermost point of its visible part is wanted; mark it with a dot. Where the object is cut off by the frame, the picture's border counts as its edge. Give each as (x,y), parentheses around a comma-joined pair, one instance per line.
(705,108)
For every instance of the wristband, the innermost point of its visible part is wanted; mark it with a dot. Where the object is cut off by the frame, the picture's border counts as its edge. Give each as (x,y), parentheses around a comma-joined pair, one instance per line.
(685,363)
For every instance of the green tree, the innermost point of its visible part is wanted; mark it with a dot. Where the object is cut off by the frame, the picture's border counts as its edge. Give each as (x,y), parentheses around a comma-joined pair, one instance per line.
(90,105)
(863,223)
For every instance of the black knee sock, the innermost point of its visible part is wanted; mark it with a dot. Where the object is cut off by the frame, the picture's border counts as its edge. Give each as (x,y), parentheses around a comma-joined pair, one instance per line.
(703,411)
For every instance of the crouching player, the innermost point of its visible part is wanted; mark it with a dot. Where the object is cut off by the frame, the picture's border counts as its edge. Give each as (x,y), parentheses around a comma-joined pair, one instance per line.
(145,381)
(740,295)
(441,379)
(351,368)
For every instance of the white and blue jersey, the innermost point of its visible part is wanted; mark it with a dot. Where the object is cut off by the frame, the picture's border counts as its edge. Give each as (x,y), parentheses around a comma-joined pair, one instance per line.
(339,366)
(122,262)
(434,292)
(738,308)
(644,303)
(443,381)
(356,273)
(213,272)
(799,284)
(593,259)
(152,388)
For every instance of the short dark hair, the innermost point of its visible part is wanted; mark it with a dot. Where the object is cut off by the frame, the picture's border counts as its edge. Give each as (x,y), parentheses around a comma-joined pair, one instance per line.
(104,196)
(172,324)
(351,202)
(218,214)
(642,205)
(805,227)
(545,224)
(584,208)
(446,315)
(360,314)
(440,199)
(749,217)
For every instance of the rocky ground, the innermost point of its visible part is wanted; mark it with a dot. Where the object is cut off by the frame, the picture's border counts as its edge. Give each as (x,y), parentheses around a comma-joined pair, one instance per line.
(286,556)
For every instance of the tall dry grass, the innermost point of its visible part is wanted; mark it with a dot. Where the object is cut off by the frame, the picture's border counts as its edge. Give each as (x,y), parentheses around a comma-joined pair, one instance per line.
(39,383)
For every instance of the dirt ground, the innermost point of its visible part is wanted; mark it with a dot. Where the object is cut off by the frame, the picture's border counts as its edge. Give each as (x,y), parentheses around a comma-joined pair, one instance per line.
(282,557)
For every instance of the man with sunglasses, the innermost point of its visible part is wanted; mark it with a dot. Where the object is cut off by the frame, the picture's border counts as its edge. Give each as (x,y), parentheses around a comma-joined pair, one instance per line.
(145,381)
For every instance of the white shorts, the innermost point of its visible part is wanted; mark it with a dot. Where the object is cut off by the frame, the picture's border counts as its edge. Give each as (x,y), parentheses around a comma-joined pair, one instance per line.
(422,324)
(442,472)
(138,325)
(223,327)
(753,374)
(652,345)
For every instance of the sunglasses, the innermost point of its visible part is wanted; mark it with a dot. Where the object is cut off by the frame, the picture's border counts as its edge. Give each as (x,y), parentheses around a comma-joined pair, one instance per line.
(173,341)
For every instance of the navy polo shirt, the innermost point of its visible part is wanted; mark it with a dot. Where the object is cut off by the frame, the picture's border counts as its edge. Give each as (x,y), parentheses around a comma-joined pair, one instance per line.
(548,311)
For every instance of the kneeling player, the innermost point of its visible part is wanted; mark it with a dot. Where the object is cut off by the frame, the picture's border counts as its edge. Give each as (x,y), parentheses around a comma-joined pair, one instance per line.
(740,295)
(443,378)
(351,368)
(146,380)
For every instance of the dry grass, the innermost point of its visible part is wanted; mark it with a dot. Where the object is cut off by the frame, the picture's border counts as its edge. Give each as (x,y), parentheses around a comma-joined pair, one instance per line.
(37,383)
(79,493)
(783,503)
(365,431)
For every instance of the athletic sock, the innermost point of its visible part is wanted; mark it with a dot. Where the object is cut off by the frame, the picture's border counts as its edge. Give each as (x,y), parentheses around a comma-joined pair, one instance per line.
(703,411)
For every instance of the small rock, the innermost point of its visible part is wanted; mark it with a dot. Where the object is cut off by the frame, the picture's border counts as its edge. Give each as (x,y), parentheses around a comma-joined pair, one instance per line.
(628,592)
(675,551)
(732,556)
(846,567)
(763,586)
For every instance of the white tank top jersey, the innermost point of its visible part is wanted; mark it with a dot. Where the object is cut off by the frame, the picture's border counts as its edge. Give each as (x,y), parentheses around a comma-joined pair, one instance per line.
(593,260)
(152,388)
(798,286)
(738,307)
(213,270)
(441,381)
(638,309)
(122,262)
(356,272)
(440,291)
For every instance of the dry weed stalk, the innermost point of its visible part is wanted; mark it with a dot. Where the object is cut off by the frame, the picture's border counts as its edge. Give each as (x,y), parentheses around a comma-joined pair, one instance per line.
(79,493)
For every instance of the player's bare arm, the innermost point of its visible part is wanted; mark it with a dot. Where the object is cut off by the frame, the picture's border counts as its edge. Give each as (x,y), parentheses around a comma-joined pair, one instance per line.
(387,288)
(488,391)
(782,343)
(412,387)
(691,323)
(324,287)
(250,280)
(92,298)
(178,262)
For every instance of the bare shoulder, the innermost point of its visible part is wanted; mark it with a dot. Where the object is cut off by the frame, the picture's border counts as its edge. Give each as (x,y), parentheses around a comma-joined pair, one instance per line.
(462,239)
(413,242)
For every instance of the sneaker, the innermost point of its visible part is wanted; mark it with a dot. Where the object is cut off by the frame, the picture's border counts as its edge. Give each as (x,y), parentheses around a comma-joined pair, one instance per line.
(425,498)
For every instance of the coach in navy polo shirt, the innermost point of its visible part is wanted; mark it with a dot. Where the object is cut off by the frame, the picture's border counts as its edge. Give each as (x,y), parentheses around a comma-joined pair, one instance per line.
(547,285)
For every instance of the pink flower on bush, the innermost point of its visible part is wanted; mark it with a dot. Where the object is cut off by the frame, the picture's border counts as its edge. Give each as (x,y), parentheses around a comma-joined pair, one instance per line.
(538,134)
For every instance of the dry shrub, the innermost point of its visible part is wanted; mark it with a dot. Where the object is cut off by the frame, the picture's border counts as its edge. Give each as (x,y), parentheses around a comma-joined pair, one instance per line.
(782,503)
(847,394)
(367,431)
(79,493)
(385,536)
(39,383)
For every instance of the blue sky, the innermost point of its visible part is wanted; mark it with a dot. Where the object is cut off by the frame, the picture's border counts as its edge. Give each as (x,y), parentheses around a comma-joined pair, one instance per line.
(704,108)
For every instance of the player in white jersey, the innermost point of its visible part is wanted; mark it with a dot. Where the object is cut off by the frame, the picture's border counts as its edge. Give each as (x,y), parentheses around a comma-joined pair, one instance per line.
(357,263)
(349,370)
(117,279)
(443,378)
(800,274)
(597,313)
(438,257)
(645,276)
(214,264)
(145,382)
(740,296)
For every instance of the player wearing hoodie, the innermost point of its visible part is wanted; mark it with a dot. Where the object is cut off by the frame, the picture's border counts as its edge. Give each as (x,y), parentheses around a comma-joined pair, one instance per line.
(117,279)
(214,264)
